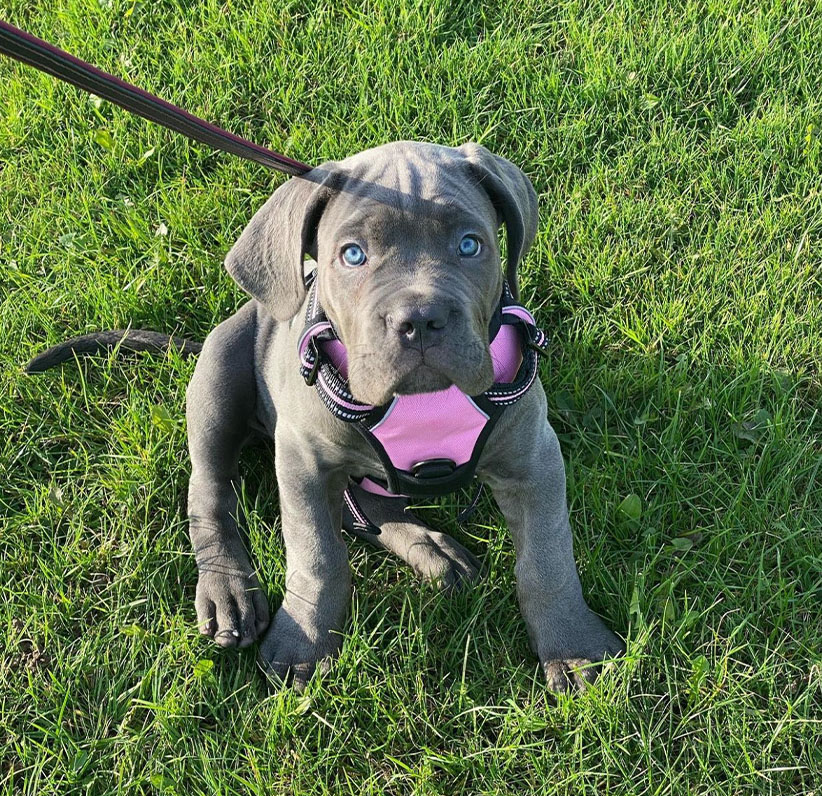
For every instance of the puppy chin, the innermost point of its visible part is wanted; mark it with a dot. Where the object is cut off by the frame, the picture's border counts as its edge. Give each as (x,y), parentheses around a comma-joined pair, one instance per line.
(422,378)
(370,388)
(476,383)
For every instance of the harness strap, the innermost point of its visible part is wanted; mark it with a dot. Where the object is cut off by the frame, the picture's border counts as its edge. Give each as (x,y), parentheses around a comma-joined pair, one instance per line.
(47,58)
(469,510)
(363,524)
(361,521)
(317,368)
(323,364)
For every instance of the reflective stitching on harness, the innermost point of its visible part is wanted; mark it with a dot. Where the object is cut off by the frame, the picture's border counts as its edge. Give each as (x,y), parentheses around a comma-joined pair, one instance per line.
(361,521)
(478,408)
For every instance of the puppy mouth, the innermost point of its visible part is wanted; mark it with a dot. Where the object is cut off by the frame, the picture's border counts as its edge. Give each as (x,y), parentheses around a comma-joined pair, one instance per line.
(422,378)
(421,371)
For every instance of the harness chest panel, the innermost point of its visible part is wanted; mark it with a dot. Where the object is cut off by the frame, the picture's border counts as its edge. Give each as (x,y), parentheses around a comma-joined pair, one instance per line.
(440,425)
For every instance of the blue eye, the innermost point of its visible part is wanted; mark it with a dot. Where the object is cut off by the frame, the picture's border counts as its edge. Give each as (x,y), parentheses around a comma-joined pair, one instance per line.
(353,255)
(469,246)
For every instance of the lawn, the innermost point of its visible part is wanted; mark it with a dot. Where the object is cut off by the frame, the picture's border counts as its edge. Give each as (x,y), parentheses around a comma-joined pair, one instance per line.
(677,151)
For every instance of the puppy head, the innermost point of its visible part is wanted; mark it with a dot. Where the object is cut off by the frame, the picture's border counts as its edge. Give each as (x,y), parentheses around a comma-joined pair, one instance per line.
(405,239)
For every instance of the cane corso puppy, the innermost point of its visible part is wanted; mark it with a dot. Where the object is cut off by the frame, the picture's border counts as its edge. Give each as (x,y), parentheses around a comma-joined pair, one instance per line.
(404,241)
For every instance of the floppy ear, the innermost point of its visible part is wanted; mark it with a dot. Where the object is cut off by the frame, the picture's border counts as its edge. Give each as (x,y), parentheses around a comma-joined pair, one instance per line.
(267,259)
(514,198)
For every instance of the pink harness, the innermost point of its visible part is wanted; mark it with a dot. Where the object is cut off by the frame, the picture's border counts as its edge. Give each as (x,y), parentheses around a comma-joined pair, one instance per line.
(429,443)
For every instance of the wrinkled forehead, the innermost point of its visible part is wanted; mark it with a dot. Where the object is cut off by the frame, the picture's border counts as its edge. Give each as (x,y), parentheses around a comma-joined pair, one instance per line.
(400,197)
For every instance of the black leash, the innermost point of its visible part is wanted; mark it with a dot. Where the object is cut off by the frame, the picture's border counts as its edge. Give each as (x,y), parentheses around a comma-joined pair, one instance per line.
(46,57)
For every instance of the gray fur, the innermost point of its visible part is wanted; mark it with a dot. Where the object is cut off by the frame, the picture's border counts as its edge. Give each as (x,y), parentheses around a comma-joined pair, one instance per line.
(407,204)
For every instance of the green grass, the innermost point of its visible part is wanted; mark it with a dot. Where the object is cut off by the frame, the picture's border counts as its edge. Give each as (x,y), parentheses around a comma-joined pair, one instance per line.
(677,152)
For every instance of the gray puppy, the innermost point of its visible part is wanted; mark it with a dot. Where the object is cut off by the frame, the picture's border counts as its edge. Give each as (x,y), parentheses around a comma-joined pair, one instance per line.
(414,317)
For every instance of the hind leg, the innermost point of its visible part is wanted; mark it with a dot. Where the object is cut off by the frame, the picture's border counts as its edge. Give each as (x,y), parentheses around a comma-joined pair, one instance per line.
(434,556)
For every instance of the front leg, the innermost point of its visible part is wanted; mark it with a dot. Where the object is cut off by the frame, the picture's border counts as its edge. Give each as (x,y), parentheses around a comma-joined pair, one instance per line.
(220,403)
(564,633)
(306,631)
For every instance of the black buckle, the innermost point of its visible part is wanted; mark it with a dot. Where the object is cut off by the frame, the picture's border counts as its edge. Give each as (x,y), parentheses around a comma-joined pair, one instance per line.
(532,334)
(433,468)
(311,376)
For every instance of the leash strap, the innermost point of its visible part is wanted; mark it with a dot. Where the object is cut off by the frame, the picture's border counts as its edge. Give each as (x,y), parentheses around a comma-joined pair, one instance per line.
(47,58)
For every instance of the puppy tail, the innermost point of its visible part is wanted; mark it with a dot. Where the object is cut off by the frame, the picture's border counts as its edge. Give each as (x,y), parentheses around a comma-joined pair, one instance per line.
(98,342)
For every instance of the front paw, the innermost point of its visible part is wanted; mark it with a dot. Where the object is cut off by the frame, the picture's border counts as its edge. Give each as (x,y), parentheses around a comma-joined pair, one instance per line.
(293,649)
(231,606)
(573,648)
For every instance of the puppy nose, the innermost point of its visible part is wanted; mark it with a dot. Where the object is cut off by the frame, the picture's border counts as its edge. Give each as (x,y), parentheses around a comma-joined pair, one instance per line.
(419,326)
